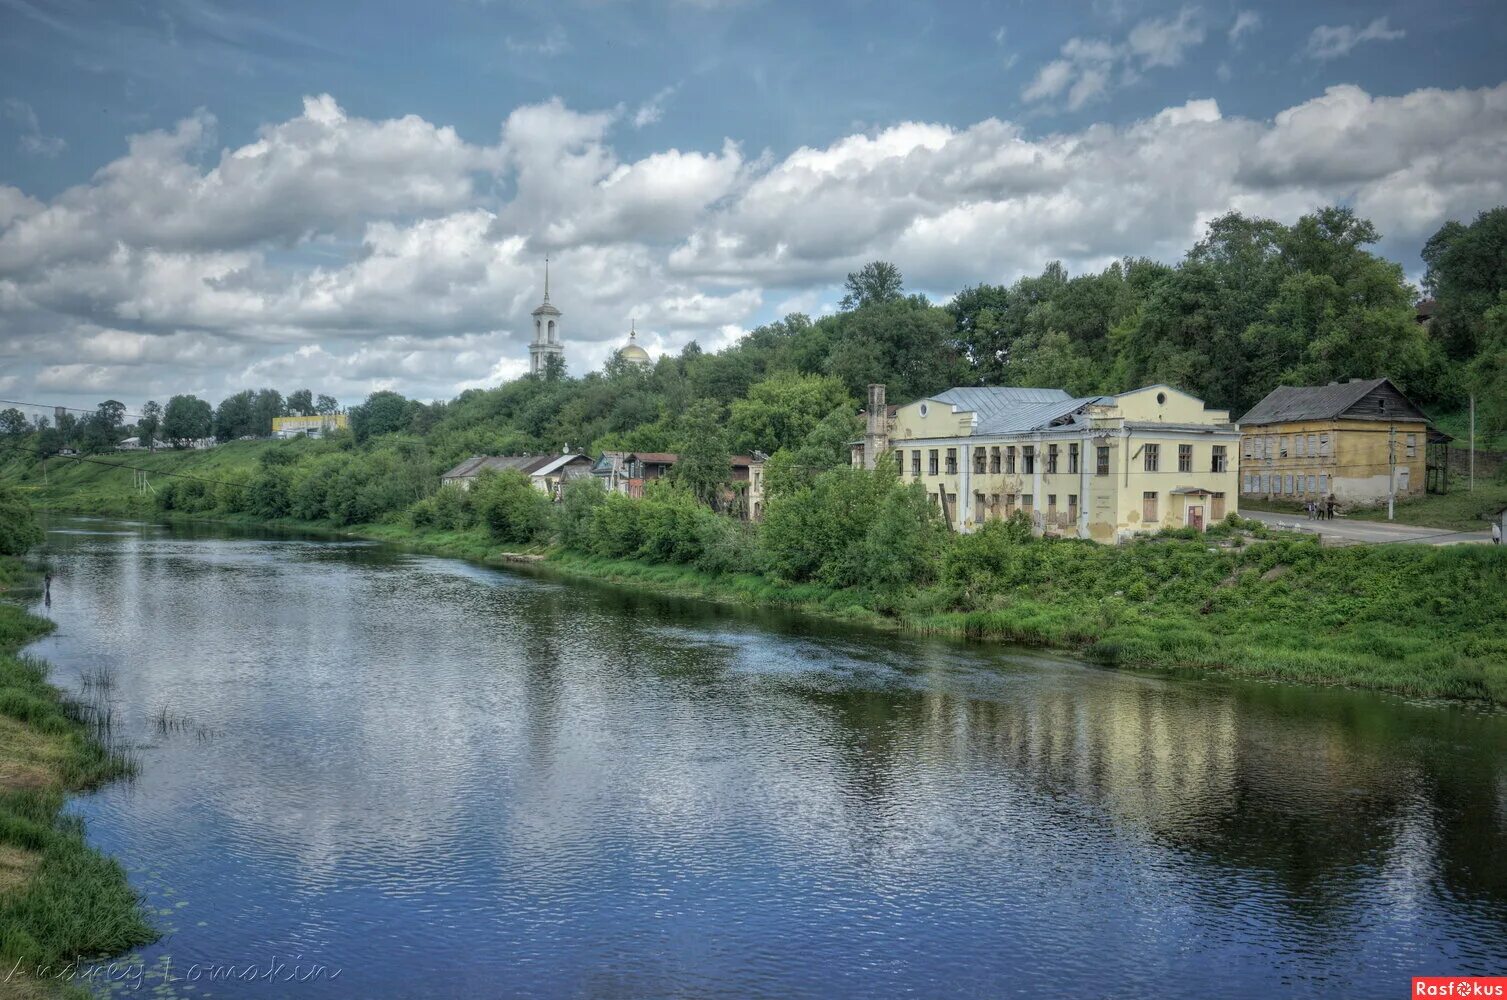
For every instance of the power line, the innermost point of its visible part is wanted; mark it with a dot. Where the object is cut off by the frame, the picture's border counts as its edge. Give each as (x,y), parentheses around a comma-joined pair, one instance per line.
(55,407)
(122,465)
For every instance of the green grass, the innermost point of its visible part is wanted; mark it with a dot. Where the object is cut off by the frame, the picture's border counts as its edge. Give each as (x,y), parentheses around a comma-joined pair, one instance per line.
(1461,509)
(59,898)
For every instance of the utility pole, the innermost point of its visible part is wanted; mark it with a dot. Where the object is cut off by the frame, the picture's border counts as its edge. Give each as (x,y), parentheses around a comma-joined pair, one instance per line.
(1392,469)
(1472,442)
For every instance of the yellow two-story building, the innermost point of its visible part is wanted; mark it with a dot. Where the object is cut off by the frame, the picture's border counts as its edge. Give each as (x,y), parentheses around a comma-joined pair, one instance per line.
(1358,441)
(1099,467)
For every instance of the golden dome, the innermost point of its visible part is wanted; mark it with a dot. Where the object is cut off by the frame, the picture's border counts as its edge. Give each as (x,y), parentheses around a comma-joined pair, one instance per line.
(632,352)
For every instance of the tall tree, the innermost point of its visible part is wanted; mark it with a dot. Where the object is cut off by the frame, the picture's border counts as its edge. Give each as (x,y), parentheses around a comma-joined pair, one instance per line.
(875,283)
(1467,273)
(186,419)
(300,403)
(151,420)
(12,422)
(326,405)
(705,463)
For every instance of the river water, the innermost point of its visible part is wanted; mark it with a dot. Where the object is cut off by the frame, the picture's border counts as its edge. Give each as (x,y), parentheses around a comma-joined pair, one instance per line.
(402,776)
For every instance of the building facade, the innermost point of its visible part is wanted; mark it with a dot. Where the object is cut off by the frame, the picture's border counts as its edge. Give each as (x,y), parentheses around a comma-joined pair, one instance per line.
(315,426)
(1359,441)
(1097,467)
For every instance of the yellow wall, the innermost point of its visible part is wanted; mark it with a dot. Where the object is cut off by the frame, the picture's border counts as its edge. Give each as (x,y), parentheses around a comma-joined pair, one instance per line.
(1356,468)
(332,421)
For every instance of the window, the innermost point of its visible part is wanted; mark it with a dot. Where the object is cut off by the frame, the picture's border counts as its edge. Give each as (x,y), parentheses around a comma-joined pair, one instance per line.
(1218,463)
(1402,478)
(1027,501)
(1051,504)
(979,460)
(994,459)
(1313,445)
(900,461)
(1185,458)
(1248,447)
(1283,452)
(931,462)
(1245,482)
(1101,460)
(1287,484)
(1052,459)
(952,461)
(1148,506)
(1072,458)
(915,463)
(1009,504)
(1028,459)
(1412,446)
(1216,507)
(978,506)
(1323,444)
(1323,484)
(1313,483)
(1271,447)
(994,503)
(1072,506)
(1153,453)
(1010,460)
(1301,447)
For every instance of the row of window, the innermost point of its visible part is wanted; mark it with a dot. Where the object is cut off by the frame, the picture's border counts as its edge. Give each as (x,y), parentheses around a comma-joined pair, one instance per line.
(1312,484)
(995,459)
(1313,445)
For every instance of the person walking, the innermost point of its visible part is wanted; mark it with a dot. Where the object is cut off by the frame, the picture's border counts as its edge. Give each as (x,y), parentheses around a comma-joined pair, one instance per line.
(1496,532)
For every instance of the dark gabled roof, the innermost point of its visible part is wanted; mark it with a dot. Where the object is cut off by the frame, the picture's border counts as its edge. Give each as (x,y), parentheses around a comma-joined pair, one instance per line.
(1317,402)
(652,457)
(477,464)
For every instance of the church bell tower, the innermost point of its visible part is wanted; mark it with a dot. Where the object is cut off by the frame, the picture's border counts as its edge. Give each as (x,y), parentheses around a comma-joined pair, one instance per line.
(546,343)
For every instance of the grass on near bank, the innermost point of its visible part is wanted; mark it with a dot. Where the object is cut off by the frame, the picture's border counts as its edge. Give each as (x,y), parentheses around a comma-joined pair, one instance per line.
(59,898)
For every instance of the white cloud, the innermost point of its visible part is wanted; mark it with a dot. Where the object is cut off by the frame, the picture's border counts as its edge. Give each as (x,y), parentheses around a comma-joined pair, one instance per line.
(1246,23)
(652,110)
(1332,42)
(163,274)
(33,140)
(1089,66)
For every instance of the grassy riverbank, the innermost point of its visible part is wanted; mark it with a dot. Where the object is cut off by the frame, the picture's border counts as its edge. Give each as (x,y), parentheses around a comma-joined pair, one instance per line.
(1412,620)
(59,898)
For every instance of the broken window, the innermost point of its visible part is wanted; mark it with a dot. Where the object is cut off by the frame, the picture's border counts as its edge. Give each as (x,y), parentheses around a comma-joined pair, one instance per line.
(1218,463)
(1010,459)
(931,462)
(979,460)
(1101,460)
(1072,458)
(1185,458)
(1153,457)
(1052,459)
(1323,444)
(1412,446)
(915,464)
(952,461)
(1028,459)
(994,459)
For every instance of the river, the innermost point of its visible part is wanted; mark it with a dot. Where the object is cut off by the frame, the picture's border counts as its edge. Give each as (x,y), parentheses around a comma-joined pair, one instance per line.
(405,776)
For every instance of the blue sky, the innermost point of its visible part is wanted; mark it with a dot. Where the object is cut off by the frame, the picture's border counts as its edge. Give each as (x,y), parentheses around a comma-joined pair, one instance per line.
(357,196)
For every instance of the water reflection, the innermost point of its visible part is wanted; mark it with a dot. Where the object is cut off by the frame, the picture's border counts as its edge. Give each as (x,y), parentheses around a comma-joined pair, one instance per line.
(452,781)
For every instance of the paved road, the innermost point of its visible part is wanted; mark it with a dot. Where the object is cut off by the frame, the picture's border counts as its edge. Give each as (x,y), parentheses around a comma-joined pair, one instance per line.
(1344,530)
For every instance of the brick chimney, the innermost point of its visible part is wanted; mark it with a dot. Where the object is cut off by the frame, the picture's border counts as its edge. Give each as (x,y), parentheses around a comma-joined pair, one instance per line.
(876,438)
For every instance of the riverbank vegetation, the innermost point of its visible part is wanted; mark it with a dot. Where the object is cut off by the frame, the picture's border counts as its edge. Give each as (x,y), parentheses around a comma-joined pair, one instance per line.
(1254,304)
(59,898)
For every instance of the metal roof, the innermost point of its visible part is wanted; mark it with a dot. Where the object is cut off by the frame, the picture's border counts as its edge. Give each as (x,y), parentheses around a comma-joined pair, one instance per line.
(1010,410)
(1312,402)
(555,463)
(477,464)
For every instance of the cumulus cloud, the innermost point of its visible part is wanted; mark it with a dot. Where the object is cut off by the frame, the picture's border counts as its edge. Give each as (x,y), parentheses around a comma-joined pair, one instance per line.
(176,270)
(1332,42)
(1089,67)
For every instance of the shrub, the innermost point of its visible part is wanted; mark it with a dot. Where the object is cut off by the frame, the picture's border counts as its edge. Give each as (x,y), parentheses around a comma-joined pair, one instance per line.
(18,526)
(510,507)
(579,503)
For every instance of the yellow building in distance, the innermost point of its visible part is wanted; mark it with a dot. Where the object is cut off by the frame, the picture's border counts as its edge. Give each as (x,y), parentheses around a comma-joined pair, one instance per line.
(1357,440)
(1098,467)
(315,426)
